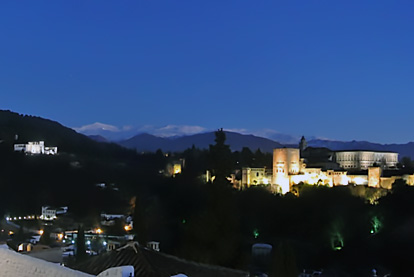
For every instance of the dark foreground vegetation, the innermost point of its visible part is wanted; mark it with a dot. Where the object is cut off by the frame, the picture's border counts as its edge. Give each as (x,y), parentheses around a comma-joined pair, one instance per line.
(334,229)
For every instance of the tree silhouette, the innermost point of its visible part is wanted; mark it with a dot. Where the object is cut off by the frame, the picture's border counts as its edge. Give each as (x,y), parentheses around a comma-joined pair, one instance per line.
(140,226)
(220,158)
(80,245)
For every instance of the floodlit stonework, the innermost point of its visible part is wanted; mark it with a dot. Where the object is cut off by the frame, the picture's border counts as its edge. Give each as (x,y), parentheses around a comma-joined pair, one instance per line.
(255,176)
(290,170)
(362,160)
(286,162)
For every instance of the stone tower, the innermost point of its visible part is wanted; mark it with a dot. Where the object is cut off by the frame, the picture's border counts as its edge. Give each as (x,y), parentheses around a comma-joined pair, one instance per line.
(302,144)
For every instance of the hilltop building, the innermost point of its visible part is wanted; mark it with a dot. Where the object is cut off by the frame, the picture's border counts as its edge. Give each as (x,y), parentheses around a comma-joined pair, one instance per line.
(286,163)
(255,176)
(175,167)
(322,166)
(49,213)
(35,148)
(362,160)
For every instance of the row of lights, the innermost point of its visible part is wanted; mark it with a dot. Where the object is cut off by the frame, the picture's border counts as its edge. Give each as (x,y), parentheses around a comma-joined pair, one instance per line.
(20,218)
(88,242)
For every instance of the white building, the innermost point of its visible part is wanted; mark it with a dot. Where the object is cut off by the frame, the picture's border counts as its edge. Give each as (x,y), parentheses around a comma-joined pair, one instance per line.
(35,147)
(49,213)
(362,160)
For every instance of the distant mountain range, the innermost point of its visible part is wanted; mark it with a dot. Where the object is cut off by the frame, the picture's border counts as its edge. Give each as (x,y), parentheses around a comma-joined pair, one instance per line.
(146,142)
(119,133)
(32,128)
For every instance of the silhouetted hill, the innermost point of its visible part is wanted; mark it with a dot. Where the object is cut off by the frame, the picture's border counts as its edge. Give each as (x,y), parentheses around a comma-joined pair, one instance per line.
(146,142)
(30,181)
(31,128)
(405,150)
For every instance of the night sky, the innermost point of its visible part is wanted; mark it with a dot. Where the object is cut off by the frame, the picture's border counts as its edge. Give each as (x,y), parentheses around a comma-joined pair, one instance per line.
(334,69)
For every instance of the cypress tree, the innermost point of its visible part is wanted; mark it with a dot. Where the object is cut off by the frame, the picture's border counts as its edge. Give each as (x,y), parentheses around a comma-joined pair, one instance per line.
(80,245)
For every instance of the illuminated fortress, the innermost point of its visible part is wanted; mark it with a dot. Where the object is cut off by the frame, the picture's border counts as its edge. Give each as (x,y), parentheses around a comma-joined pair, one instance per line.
(293,166)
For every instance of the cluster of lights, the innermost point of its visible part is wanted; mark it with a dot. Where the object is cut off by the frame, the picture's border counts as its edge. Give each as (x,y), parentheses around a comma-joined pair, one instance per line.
(20,218)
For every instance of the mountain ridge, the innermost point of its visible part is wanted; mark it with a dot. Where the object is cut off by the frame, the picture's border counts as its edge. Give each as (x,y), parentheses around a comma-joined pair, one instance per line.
(34,128)
(147,142)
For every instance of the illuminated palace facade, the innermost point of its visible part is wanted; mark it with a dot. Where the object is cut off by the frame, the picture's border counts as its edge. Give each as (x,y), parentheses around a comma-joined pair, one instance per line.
(352,167)
(356,168)
(364,159)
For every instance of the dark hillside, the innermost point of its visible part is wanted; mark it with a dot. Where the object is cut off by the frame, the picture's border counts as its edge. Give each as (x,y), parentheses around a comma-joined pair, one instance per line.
(69,178)
(32,128)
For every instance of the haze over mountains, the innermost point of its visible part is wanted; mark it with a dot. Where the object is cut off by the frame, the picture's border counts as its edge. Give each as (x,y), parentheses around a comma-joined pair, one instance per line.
(116,133)
(179,138)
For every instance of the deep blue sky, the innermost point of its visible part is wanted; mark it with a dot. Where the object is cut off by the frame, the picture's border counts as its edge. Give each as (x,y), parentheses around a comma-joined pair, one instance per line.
(337,69)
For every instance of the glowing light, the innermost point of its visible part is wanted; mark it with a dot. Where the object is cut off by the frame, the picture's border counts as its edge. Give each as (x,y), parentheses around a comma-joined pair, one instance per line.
(41,232)
(60,236)
(11,232)
(376,225)
(98,231)
(73,241)
(88,242)
(283,182)
(256,233)
(359,181)
(104,243)
(177,168)
(127,228)
(265,181)
(337,241)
